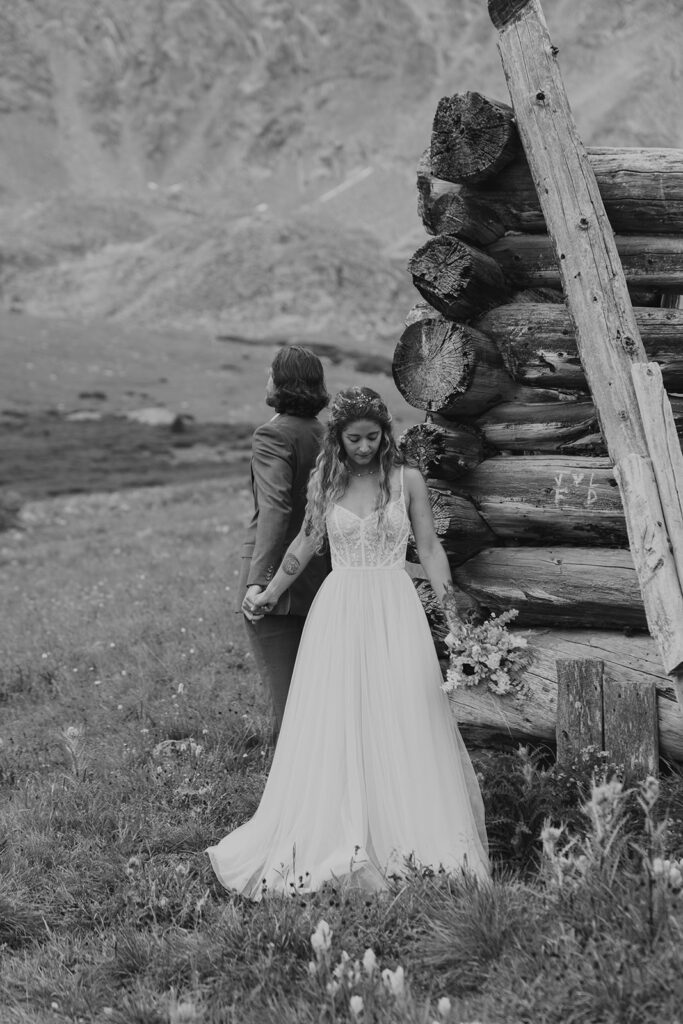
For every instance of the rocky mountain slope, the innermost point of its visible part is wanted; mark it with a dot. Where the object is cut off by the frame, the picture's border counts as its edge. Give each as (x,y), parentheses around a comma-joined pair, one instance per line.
(249,164)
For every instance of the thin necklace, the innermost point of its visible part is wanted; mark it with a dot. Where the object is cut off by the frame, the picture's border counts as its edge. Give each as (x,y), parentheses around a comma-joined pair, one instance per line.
(372,472)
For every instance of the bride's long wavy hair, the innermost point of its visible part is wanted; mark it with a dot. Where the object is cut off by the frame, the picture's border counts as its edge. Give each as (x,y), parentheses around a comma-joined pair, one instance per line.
(330,476)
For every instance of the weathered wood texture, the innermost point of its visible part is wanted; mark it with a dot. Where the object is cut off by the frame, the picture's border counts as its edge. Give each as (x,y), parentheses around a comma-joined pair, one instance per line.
(627,660)
(519,427)
(530,261)
(547,500)
(456,449)
(538,343)
(563,425)
(593,280)
(631,725)
(457,522)
(665,450)
(579,721)
(459,280)
(440,366)
(607,714)
(642,190)
(649,544)
(486,134)
(576,586)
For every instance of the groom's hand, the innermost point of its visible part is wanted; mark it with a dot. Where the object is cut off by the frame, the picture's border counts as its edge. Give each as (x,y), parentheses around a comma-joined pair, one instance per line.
(250,606)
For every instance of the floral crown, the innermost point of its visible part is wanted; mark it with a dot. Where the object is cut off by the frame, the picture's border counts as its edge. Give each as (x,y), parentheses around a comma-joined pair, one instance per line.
(358,403)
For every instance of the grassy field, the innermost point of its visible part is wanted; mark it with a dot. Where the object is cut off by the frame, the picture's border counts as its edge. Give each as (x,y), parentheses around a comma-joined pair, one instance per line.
(133,733)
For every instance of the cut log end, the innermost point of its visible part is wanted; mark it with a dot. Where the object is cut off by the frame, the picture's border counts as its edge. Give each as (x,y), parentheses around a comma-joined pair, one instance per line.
(457,279)
(472,138)
(503,12)
(433,363)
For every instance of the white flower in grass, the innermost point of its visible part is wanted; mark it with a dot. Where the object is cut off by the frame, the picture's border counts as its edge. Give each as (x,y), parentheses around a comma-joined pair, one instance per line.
(332,988)
(321,939)
(356,1006)
(394,981)
(369,962)
(660,867)
(443,1007)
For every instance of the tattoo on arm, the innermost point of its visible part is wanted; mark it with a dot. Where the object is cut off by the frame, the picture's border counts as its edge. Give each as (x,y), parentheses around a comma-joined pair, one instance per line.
(448,601)
(291,565)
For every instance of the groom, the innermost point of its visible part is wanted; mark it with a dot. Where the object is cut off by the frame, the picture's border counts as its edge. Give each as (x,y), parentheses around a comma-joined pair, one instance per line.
(284,451)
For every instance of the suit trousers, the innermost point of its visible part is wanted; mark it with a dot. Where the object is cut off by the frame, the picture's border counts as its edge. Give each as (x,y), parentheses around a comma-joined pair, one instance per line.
(274,642)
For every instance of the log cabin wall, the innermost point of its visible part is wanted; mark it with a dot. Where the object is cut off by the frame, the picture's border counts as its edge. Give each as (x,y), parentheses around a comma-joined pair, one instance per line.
(525,498)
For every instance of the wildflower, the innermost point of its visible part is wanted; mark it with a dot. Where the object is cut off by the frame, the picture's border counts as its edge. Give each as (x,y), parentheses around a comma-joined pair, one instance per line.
(321,939)
(550,837)
(332,988)
(443,1007)
(394,981)
(312,968)
(649,791)
(369,962)
(356,1006)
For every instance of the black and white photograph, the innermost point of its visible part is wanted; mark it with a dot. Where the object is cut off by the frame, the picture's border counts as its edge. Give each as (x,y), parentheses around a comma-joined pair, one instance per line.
(341,512)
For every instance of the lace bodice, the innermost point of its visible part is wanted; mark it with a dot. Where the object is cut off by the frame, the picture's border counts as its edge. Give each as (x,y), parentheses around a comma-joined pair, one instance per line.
(368,542)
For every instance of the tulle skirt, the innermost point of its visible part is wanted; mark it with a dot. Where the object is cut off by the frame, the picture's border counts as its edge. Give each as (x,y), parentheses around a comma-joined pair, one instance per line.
(370,773)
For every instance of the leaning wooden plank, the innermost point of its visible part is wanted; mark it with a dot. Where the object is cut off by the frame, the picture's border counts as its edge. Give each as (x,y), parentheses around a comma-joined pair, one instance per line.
(607,335)
(579,707)
(659,582)
(665,451)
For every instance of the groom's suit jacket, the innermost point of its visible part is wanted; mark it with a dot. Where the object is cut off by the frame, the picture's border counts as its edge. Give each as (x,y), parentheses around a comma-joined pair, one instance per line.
(284,451)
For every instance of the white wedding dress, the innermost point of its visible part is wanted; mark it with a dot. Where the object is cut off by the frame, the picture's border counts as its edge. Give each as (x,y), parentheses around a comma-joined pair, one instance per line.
(369,768)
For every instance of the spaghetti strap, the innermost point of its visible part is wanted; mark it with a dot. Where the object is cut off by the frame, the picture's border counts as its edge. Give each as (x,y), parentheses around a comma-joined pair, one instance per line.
(402,468)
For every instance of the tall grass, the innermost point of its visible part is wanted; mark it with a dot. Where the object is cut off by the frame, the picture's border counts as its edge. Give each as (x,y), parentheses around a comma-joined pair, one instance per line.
(133,733)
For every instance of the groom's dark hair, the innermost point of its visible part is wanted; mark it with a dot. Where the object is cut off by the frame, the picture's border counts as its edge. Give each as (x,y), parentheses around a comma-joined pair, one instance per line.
(299,381)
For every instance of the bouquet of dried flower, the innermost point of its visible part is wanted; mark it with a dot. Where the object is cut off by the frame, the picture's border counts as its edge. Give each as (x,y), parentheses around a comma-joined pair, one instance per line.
(487,654)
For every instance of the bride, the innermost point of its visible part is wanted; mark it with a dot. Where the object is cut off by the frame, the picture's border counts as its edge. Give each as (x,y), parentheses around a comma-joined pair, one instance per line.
(370,774)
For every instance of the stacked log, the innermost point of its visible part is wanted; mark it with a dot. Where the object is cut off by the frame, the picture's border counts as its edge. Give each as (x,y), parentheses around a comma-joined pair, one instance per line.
(535,519)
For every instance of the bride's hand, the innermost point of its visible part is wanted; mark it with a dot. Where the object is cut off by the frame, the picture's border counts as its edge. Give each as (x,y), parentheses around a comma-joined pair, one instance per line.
(251,605)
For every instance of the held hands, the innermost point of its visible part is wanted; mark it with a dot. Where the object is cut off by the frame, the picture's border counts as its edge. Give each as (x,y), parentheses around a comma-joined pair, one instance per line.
(257,603)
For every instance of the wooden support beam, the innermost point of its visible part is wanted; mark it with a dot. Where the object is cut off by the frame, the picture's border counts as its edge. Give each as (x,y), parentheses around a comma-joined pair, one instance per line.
(579,707)
(607,334)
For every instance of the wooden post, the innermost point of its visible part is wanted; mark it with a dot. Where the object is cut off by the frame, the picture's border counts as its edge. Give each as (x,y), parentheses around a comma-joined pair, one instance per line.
(630,724)
(579,706)
(607,713)
(607,334)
